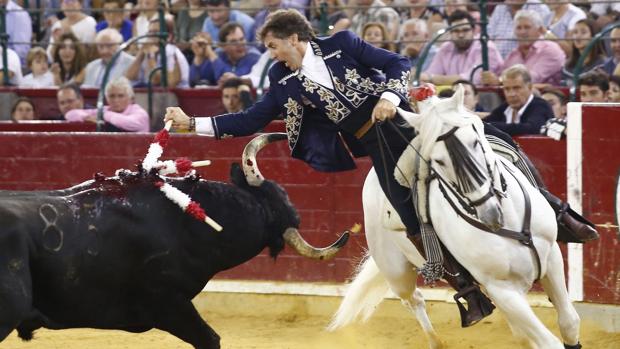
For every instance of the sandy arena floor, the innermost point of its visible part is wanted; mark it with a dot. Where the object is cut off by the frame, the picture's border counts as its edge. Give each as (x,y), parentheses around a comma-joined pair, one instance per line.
(297,322)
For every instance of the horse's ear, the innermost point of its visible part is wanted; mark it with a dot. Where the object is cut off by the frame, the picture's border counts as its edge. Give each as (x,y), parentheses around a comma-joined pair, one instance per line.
(459,96)
(412,118)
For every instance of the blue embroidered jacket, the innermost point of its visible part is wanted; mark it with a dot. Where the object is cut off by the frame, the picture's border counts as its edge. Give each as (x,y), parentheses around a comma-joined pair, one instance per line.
(314,114)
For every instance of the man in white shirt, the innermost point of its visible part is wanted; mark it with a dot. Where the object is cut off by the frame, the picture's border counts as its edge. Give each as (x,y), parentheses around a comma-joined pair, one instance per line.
(107,42)
(14,67)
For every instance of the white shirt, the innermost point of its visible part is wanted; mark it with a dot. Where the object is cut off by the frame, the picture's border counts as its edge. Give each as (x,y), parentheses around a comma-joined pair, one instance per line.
(257,71)
(95,70)
(600,8)
(43,80)
(313,67)
(173,55)
(508,111)
(566,23)
(14,66)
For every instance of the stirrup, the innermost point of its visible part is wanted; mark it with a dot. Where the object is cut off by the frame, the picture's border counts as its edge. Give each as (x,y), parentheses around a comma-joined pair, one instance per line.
(479,305)
(580,230)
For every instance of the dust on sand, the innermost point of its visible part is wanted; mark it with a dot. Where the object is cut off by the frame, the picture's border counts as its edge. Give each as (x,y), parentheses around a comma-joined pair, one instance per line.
(297,322)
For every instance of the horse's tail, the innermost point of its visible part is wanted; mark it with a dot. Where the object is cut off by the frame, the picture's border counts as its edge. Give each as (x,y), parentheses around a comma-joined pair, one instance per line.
(362,296)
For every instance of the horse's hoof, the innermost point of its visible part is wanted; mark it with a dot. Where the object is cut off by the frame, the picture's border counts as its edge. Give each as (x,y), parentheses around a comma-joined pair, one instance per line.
(576,346)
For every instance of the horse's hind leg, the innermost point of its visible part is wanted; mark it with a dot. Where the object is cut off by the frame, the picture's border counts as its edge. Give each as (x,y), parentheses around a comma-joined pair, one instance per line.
(522,319)
(555,287)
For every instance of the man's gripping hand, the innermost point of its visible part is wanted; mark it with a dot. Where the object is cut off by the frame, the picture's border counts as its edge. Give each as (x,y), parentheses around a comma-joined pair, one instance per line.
(384,109)
(180,121)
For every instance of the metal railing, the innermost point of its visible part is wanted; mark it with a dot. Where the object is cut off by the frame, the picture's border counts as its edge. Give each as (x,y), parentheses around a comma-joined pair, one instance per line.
(482,6)
(162,35)
(4,40)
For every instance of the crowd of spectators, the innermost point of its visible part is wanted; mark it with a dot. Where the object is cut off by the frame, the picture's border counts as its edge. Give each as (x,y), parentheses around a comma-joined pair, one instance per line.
(533,49)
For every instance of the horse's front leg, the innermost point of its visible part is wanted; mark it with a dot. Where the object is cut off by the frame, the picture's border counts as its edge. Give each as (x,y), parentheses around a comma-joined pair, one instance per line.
(555,287)
(521,317)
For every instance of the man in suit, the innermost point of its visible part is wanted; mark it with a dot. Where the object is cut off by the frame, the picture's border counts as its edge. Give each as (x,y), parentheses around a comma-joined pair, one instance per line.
(330,90)
(523,113)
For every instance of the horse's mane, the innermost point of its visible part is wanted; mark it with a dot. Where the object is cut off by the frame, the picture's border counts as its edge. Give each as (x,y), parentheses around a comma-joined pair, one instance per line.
(437,113)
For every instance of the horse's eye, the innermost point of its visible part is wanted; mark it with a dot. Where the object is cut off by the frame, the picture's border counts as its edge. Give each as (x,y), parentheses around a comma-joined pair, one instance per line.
(440,163)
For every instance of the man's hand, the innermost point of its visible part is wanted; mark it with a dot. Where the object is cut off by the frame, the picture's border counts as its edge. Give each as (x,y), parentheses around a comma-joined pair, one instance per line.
(383,110)
(199,45)
(226,76)
(489,78)
(180,121)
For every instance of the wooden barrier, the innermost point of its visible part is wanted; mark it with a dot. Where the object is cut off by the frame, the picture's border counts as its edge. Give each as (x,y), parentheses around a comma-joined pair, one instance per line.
(47,126)
(329,203)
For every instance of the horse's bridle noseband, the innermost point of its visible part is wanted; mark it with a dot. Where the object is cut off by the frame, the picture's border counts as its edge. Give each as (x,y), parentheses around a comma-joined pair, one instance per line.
(467,204)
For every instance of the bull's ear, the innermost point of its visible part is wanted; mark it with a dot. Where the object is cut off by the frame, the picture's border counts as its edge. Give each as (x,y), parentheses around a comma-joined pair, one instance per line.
(237,176)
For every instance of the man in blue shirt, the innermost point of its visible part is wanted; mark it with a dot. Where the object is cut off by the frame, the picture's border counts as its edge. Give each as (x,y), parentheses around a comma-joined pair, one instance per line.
(114,18)
(235,57)
(220,13)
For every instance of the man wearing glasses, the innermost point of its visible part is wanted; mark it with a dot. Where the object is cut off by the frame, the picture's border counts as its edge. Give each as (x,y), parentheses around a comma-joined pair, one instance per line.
(107,42)
(456,59)
(234,59)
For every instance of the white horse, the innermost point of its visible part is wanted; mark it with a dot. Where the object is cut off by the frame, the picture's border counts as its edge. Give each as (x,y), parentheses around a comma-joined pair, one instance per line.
(505,268)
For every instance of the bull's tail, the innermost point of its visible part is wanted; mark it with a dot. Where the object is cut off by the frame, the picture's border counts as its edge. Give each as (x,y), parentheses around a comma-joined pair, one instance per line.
(362,296)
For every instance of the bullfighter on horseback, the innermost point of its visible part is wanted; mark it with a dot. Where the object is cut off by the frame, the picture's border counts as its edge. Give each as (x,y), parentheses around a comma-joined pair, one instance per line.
(335,94)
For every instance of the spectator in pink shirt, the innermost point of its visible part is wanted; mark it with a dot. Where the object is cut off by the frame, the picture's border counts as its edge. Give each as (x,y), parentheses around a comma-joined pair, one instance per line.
(121,114)
(456,59)
(543,59)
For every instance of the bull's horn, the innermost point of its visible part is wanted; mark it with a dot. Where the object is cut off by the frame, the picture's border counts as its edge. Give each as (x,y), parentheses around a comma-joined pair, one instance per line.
(293,238)
(250,167)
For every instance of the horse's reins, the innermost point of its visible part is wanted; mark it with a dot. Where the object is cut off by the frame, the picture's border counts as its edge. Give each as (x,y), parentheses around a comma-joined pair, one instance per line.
(524,237)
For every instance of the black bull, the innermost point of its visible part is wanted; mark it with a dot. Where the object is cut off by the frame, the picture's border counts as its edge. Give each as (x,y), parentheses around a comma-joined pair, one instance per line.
(114,253)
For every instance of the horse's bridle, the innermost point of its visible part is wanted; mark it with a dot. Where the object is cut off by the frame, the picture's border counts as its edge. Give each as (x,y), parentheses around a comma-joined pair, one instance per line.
(468,205)
(524,236)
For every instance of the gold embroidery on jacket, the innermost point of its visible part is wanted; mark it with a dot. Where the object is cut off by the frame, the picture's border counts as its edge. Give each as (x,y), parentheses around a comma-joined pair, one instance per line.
(336,111)
(292,121)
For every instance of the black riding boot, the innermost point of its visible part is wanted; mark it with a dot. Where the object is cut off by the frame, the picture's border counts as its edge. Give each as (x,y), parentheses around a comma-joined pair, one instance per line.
(572,227)
(478,304)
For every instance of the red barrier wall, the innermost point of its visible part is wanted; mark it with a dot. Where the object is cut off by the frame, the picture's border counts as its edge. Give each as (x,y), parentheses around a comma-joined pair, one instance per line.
(328,203)
(46,126)
(600,167)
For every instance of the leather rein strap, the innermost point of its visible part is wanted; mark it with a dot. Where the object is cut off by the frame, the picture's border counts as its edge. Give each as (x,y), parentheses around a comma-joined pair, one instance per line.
(524,236)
